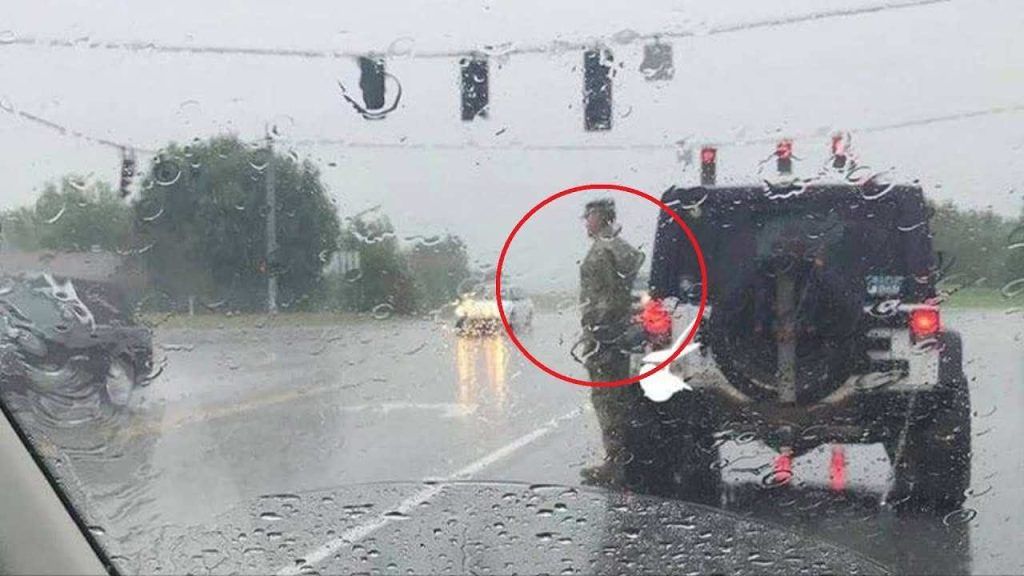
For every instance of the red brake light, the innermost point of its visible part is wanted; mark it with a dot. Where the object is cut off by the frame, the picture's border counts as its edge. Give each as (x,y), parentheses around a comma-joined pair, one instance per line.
(924,322)
(655,318)
(657,323)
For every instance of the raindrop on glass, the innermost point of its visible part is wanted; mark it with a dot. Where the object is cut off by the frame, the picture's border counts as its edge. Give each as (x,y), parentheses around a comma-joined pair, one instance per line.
(382,311)
(961,516)
(625,36)
(167,172)
(401,47)
(53,219)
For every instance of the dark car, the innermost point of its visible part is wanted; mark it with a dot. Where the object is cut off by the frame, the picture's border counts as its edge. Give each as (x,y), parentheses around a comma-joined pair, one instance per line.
(71,339)
(822,325)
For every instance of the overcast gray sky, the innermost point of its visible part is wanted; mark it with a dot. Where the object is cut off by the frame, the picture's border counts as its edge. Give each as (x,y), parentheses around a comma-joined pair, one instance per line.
(898,67)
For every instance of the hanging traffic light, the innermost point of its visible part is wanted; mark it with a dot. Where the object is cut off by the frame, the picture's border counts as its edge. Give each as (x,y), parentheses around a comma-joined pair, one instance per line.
(127,171)
(784,156)
(371,81)
(597,89)
(708,156)
(839,152)
(475,87)
(657,62)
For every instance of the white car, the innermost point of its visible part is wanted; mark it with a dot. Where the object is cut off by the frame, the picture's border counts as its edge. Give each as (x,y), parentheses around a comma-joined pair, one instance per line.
(477,311)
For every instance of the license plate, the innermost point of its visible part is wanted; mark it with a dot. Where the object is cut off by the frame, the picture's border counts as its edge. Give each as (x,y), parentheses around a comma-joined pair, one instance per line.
(884,285)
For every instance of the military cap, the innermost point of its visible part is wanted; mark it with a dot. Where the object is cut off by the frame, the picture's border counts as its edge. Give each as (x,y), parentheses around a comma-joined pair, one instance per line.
(604,206)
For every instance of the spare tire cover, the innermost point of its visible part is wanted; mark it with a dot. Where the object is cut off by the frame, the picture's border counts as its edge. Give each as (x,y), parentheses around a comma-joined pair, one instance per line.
(745,328)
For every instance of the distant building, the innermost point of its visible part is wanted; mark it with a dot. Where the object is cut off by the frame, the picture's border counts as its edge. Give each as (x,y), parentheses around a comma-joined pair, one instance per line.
(97,265)
(343,262)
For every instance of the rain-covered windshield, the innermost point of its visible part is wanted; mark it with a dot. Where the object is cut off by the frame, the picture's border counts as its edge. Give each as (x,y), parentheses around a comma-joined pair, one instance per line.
(759,270)
(26,301)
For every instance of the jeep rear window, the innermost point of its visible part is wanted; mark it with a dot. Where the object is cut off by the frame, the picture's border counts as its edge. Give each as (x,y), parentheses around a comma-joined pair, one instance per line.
(737,227)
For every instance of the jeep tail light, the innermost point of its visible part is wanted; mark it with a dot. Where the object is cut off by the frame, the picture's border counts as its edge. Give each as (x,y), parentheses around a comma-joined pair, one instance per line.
(924,323)
(657,323)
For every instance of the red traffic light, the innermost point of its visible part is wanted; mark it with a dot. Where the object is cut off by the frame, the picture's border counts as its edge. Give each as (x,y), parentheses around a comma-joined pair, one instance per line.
(784,149)
(707,166)
(707,155)
(838,145)
(784,156)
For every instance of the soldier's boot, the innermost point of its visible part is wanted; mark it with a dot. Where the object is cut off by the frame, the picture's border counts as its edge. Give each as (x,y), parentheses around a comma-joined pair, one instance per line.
(607,474)
(610,407)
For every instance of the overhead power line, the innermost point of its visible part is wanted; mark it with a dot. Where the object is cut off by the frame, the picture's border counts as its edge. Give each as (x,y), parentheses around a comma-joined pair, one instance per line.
(500,49)
(639,146)
(70,132)
(648,146)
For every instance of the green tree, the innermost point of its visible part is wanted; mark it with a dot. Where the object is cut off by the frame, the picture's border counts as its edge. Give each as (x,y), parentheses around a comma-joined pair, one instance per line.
(384,278)
(20,230)
(438,268)
(1015,247)
(73,217)
(202,219)
(974,243)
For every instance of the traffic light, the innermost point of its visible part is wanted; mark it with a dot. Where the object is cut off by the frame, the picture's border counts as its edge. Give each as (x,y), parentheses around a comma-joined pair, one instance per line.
(475,87)
(371,81)
(839,154)
(708,156)
(784,157)
(597,89)
(127,171)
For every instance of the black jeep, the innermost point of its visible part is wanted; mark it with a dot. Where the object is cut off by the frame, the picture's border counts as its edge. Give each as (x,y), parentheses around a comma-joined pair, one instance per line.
(822,326)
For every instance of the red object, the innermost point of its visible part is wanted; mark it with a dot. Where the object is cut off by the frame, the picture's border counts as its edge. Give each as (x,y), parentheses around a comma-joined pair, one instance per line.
(924,322)
(707,155)
(784,149)
(698,253)
(837,468)
(839,151)
(707,166)
(783,467)
(656,319)
(838,145)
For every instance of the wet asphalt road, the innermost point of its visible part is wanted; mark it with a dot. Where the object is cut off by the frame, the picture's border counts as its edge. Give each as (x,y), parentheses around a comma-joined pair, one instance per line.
(239,413)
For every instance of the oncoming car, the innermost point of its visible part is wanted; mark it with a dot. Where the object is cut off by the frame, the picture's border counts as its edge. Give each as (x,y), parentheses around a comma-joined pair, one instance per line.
(477,311)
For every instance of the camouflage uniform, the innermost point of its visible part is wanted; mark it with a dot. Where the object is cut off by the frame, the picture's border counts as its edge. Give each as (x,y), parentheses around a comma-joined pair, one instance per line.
(606,278)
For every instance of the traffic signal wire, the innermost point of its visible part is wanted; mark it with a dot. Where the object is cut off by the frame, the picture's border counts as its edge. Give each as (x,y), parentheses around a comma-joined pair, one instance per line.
(623,147)
(497,50)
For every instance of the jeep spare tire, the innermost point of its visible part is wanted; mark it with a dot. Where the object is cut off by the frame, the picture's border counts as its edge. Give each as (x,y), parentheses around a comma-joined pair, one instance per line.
(782,299)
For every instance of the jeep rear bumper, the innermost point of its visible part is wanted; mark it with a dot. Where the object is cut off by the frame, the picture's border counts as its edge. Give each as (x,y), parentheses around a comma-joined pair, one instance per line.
(865,408)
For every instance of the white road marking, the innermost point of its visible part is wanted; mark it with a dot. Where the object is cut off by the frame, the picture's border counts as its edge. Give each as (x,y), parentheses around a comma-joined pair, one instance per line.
(357,533)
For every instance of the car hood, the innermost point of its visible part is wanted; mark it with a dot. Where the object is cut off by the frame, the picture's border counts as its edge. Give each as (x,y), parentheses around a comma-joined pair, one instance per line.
(482,527)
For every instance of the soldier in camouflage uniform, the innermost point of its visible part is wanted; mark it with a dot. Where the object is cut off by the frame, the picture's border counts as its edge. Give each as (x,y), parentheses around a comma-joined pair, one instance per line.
(607,275)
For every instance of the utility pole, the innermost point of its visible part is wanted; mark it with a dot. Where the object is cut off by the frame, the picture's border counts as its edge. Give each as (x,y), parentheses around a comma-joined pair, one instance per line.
(268,179)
